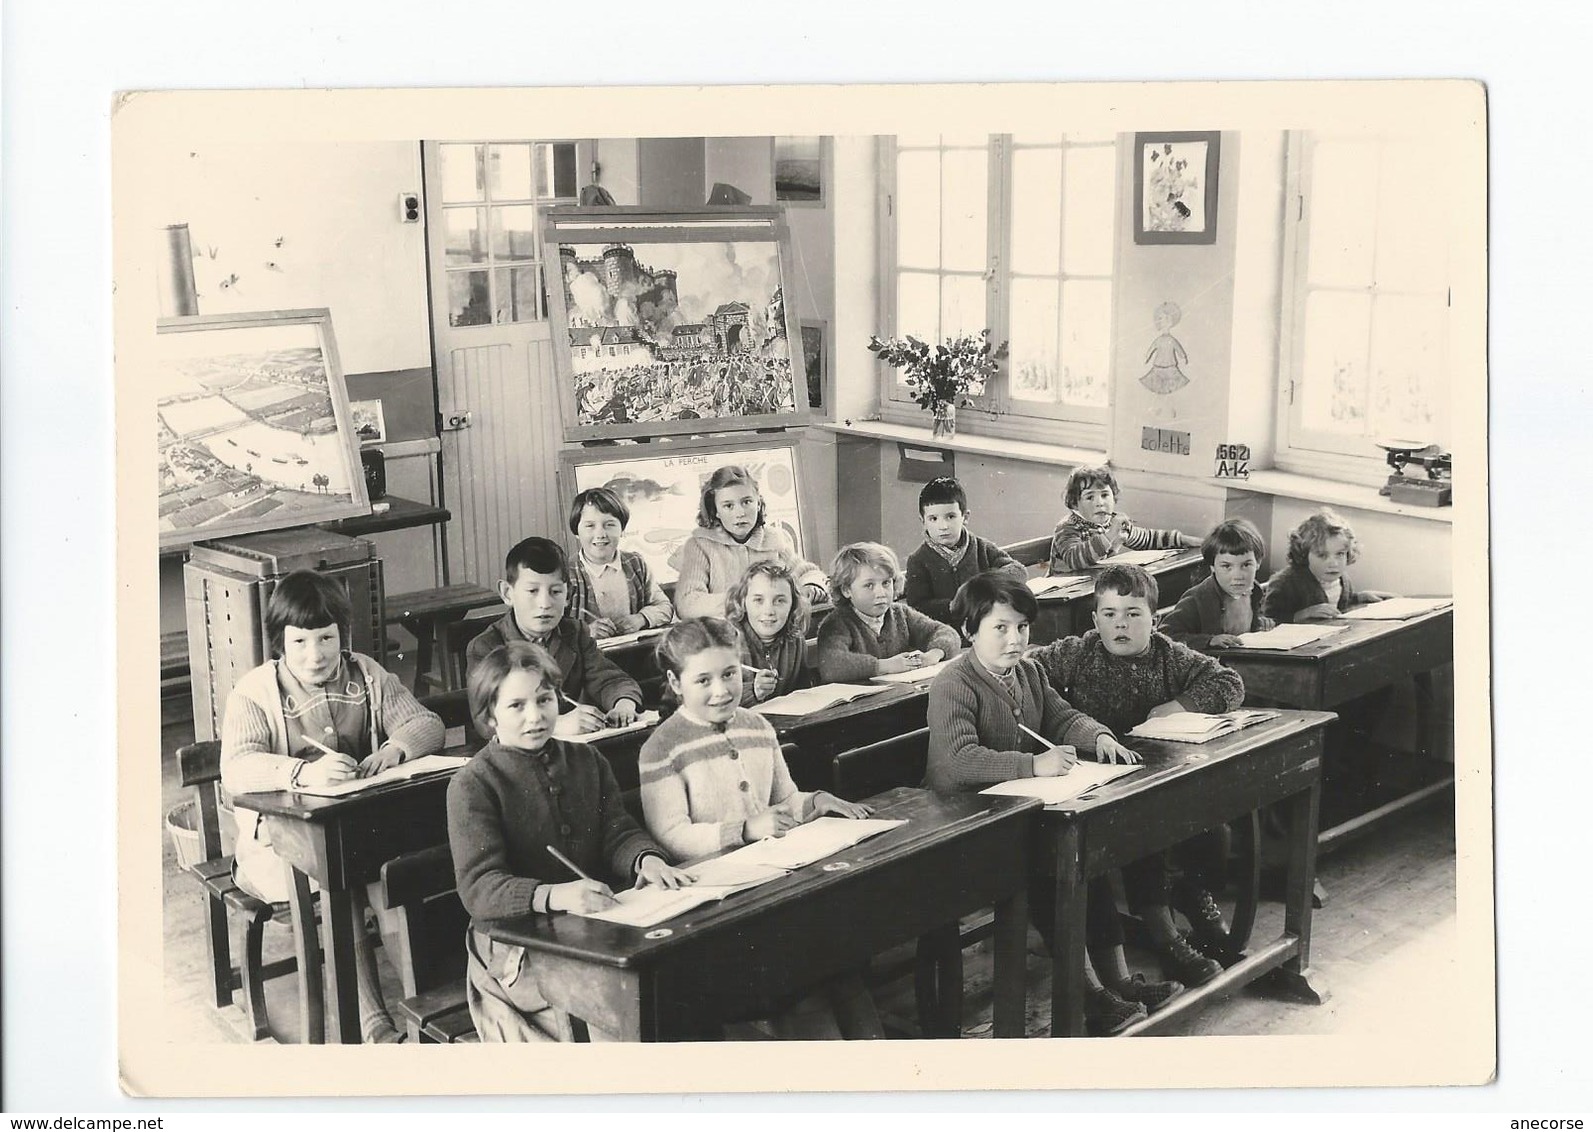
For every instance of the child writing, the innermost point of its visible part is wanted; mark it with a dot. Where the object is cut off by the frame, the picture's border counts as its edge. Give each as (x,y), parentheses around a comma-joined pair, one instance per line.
(612,591)
(1094,529)
(316,694)
(1121,673)
(713,779)
(1213,613)
(525,795)
(535,587)
(951,553)
(730,536)
(770,611)
(871,633)
(979,708)
(1314,585)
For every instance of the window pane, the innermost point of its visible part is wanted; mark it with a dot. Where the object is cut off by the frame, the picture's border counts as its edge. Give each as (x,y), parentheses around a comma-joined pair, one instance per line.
(918,305)
(467,299)
(1333,371)
(1412,225)
(918,209)
(563,170)
(510,170)
(1343,213)
(464,236)
(1407,383)
(514,232)
(962,305)
(1036,211)
(1086,342)
(965,181)
(1033,372)
(518,289)
(1089,193)
(461,172)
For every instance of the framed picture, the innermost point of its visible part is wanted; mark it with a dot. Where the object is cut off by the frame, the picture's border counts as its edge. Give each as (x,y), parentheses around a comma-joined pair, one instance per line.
(1175,187)
(801,168)
(816,362)
(369,423)
(672,323)
(662,485)
(254,429)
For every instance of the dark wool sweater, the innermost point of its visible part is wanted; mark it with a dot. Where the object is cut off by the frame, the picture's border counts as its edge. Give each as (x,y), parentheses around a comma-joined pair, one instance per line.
(849,650)
(1294,588)
(932,581)
(787,654)
(506,806)
(1120,691)
(1198,615)
(589,676)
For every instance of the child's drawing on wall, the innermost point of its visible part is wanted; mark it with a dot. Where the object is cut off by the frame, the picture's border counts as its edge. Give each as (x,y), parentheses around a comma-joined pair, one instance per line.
(1166,356)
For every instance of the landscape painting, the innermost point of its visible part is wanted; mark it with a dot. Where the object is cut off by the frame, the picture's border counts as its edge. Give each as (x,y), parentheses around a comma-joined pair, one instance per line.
(253,426)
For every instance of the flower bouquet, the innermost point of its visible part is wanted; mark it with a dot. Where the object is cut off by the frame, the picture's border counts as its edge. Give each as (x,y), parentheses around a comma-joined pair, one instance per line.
(942,377)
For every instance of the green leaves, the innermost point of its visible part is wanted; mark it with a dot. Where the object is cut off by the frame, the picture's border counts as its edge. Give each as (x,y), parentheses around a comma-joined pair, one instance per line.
(950,373)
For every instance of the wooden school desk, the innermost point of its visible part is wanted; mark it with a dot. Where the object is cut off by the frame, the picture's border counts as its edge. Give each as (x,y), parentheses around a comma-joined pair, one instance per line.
(821,735)
(956,855)
(1365,656)
(1185,788)
(1067,612)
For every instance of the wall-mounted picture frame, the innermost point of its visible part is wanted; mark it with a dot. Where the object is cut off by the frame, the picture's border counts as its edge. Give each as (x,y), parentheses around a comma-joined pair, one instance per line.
(801,169)
(370,422)
(253,426)
(816,363)
(662,485)
(1175,187)
(672,323)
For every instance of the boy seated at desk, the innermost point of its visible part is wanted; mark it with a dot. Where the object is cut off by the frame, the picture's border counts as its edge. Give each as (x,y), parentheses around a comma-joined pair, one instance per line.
(536,589)
(951,554)
(1314,585)
(1094,529)
(1121,673)
(1215,612)
(871,633)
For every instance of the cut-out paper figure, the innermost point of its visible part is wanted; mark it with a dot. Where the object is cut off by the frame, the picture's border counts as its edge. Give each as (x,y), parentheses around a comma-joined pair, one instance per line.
(1166,356)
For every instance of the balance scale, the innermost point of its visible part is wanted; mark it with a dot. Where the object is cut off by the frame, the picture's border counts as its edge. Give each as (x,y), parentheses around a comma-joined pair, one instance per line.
(1433,490)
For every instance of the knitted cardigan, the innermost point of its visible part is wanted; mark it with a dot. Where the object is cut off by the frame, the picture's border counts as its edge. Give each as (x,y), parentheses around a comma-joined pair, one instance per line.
(711,562)
(1294,588)
(974,739)
(700,782)
(646,598)
(932,581)
(787,654)
(1079,544)
(589,676)
(849,649)
(507,806)
(1198,615)
(1120,691)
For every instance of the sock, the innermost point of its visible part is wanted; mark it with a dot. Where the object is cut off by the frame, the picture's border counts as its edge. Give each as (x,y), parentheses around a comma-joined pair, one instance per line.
(375,1021)
(1158,921)
(1112,964)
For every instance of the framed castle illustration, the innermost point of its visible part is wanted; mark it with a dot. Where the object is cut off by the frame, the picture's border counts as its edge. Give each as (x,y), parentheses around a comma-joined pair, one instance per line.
(671,323)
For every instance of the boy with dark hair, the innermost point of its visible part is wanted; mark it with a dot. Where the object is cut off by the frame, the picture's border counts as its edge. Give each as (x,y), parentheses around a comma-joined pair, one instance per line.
(1215,612)
(951,554)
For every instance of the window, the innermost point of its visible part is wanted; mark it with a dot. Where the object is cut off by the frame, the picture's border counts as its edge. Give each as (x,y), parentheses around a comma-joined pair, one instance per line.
(1366,302)
(492,194)
(1017,233)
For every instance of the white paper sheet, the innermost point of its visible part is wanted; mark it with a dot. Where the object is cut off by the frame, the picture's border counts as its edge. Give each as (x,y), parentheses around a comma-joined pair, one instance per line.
(1044,586)
(1198,727)
(814,841)
(1083,778)
(916,676)
(631,638)
(1288,636)
(1136,557)
(805,701)
(646,719)
(414,768)
(1396,608)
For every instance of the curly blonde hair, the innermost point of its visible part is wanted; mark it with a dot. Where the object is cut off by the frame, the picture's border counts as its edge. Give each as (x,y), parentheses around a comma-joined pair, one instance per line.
(777,570)
(1313,534)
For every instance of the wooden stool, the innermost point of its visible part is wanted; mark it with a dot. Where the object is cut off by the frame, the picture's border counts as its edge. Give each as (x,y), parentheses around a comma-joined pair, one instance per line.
(426,614)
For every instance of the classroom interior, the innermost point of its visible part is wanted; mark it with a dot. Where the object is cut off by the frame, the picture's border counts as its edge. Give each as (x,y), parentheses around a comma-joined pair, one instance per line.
(1035,237)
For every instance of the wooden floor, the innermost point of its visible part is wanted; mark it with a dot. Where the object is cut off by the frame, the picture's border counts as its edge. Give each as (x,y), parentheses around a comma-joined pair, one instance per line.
(1386,934)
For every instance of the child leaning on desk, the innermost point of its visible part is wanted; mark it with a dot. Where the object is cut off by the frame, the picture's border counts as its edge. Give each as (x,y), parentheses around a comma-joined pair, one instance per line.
(713,779)
(985,709)
(871,633)
(1123,672)
(535,587)
(281,718)
(1314,585)
(612,592)
(525,797)
(1213,613)
(1094,529)
(770,611)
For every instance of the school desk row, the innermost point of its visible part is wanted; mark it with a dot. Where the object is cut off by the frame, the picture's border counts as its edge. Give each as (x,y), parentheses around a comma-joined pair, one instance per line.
(953,857)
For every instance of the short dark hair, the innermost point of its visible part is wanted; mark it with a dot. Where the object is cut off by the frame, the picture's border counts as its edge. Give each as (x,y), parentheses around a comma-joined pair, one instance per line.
(1086,476)
(983,592)
(942,489)
(307,600)
(604,499)
(537,554)
(687,638)
(488,674)
(1127,581)
(1313,533)
(1233,536)
(727,476)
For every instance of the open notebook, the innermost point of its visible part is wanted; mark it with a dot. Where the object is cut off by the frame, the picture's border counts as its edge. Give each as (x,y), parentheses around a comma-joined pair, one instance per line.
(1198,727)
(916,676)
(1083,778)
(631,638)
(1044,586)
(1396,608)
(645,719)
(805,701)
(1287,637)
(414,768)
(1136,557)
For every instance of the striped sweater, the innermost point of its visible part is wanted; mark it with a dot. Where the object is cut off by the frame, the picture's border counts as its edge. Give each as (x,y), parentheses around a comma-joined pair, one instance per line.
(711,562)
(700,782)
(1078,544)
(850,650)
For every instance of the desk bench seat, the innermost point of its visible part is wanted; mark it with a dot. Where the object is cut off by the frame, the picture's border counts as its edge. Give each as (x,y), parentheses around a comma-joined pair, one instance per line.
(426,614)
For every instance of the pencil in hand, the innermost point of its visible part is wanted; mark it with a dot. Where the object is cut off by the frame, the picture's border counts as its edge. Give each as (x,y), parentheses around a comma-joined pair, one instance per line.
(569,864)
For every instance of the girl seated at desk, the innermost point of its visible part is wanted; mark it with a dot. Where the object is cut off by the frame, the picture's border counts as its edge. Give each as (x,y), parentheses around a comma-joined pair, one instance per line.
(770,611)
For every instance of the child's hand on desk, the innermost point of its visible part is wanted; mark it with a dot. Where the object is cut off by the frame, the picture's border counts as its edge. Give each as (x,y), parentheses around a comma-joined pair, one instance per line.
(1321,611)
(578,721)
(764,682)
(1109,750)
(933,656)
(1118,527)
(655,870)
(328,770)
(770,823)
(602,627)
(622,714)
(1372,597)
(1225,641)
(386,755)
(630,623)
(1058,760)
(901,662)
(580,896)
(1171,707)
(827,803)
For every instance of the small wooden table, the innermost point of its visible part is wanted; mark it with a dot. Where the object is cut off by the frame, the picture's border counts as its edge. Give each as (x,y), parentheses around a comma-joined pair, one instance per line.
(1067,612)
(1364,656)
(956,855)
(1182,790)
(401,514)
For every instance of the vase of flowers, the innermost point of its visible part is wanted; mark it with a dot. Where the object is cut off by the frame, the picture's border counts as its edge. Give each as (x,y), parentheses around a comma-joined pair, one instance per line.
(940,378)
